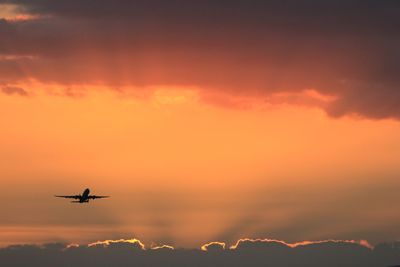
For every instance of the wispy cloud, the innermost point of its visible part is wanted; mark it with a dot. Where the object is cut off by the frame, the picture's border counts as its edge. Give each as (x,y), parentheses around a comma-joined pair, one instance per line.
(13,90)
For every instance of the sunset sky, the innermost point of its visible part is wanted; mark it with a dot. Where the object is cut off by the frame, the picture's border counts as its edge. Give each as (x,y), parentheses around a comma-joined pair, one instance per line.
(204,120)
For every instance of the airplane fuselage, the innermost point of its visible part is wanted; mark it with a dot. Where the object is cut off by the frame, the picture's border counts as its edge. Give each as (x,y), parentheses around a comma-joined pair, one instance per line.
(85,196)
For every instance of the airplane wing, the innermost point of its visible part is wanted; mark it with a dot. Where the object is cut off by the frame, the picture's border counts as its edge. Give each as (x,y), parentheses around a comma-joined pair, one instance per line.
(74,197)
(94,197)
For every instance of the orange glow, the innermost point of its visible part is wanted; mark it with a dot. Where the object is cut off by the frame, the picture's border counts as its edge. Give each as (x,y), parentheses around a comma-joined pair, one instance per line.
(232,247)
(303,243)
(106,243)
(10,12)
(202,121)
(179,161)
(163,247)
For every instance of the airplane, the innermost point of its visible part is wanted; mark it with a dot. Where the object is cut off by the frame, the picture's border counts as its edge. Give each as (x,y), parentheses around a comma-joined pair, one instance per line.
(84,198)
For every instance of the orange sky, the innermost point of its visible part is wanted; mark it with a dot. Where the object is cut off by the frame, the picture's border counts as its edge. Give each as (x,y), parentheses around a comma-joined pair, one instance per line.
(184,172)
(205,121)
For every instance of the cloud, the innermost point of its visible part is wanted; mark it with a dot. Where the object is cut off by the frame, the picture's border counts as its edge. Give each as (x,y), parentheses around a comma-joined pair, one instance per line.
(254,252)
(118,244)
(163,247)
(213,246)
(247,243)
(11,90)
(231,49)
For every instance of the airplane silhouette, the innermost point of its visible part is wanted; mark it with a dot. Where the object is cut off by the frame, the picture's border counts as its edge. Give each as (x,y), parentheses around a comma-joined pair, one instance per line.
(84,198)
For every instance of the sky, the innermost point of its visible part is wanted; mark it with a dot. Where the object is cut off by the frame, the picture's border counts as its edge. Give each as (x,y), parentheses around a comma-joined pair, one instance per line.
(204,120)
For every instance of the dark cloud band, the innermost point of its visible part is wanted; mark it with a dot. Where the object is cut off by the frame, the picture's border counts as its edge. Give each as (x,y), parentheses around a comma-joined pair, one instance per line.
(348,49)
(246,253)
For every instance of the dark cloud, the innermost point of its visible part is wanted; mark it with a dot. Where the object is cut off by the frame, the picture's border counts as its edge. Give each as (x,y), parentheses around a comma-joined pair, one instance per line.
(348,49)
(246,253)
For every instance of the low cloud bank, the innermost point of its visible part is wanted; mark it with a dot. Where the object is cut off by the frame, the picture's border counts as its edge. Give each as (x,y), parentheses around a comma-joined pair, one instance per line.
(246,252)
